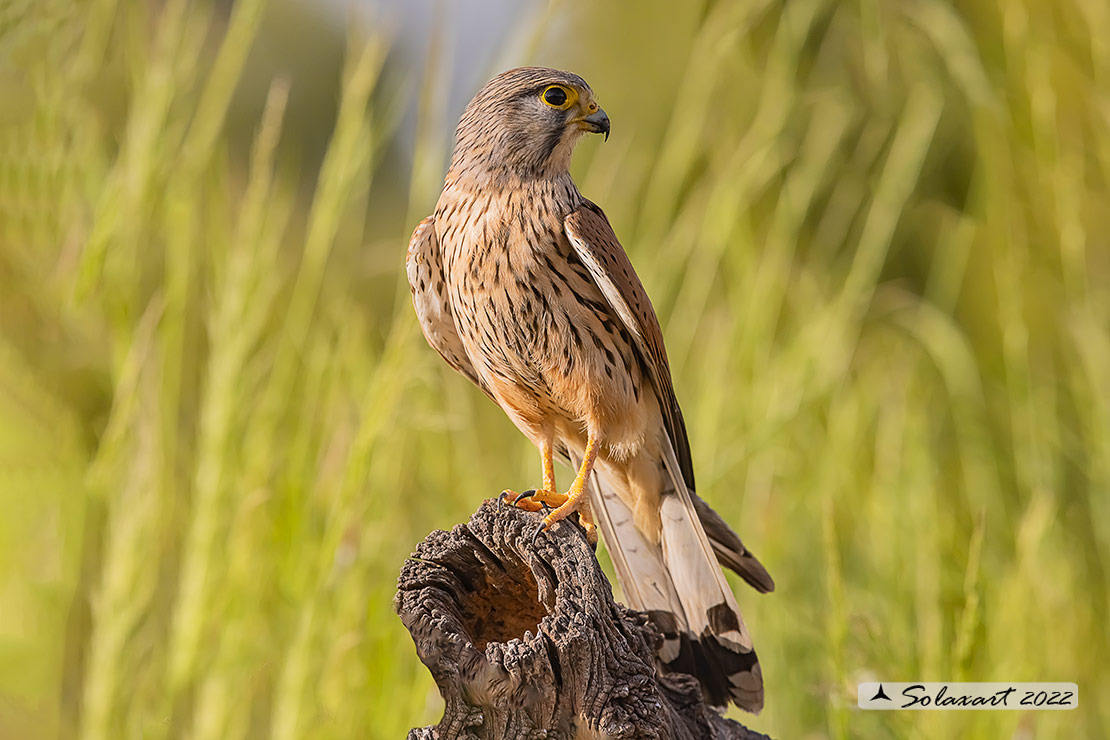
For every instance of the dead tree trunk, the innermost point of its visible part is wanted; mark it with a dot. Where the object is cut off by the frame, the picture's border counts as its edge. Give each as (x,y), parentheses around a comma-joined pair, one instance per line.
(524,640)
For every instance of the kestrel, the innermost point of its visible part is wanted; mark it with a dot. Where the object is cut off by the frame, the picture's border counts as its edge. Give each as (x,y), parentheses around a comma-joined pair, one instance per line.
(521,285)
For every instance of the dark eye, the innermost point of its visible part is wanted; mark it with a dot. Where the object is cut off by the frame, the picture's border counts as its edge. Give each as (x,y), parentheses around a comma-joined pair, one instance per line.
(555,96)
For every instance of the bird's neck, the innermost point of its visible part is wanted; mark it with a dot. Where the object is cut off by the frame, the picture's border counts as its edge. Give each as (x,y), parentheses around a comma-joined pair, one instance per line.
(475,180)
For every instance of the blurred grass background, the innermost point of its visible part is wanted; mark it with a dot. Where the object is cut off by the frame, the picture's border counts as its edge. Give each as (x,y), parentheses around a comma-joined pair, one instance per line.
(876,236)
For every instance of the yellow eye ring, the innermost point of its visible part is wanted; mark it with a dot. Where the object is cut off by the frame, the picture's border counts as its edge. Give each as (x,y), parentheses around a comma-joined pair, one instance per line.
(559,97)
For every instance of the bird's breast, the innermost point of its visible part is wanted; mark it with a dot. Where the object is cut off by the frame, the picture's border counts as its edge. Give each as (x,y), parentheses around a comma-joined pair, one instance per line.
(528,311)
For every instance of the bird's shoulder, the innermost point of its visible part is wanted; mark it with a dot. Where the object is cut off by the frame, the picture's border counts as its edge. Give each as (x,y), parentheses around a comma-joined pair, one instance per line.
(423,238)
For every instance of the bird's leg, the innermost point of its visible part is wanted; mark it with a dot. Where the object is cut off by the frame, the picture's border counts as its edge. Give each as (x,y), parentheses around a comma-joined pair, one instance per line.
(573,498)
(548,467)
(534,500)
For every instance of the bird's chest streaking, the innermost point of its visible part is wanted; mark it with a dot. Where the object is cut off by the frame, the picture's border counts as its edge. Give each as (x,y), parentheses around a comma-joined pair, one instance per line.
(534,324)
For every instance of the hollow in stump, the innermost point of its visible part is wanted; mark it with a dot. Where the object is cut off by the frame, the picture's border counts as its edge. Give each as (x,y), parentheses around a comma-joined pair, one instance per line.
(524,640)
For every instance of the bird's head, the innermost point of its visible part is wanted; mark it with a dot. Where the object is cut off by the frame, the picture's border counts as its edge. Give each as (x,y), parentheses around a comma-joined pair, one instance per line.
(525,122)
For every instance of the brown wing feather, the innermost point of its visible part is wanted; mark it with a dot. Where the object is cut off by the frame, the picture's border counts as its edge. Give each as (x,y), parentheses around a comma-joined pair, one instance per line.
(589,231)
(424,266)
(596,245)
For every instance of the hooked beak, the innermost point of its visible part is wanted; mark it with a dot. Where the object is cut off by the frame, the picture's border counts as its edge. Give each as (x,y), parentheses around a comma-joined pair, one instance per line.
(597,123)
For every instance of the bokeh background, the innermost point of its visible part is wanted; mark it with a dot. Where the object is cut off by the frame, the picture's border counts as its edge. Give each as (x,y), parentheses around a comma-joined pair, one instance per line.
(875,233)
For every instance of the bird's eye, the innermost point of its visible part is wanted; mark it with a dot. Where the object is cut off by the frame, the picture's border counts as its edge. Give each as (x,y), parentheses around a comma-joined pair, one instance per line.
(555,96)
(558,96)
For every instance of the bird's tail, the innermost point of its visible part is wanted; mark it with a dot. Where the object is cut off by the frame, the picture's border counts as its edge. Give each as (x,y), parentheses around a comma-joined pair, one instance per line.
(679,583)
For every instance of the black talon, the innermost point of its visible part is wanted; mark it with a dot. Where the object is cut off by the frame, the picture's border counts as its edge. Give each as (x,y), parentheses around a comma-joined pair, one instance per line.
(539,529)
(523,496)
(502,496)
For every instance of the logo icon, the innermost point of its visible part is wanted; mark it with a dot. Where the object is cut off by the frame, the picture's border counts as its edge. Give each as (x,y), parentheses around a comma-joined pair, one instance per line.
(880,694)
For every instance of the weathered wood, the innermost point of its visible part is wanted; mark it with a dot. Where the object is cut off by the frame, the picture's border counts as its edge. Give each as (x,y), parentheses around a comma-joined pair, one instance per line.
(524,640)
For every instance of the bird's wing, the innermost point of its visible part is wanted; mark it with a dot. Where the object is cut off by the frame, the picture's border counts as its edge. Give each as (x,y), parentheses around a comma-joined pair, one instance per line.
(678,581)
(596,245)
(593,239)
(424,265)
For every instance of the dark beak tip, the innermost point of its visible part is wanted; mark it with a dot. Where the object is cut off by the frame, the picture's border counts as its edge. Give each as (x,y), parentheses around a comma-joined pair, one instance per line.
(599,123)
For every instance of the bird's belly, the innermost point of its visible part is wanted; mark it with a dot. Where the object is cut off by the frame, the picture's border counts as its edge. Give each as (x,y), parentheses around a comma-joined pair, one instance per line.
(551,353)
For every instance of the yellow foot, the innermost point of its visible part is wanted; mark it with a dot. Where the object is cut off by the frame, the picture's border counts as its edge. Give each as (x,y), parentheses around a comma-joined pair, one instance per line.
(570,505)
(519,500)
(553,499)
(533,500)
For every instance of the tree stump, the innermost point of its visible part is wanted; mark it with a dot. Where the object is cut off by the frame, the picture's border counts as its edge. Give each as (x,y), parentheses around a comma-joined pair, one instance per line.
(524,640)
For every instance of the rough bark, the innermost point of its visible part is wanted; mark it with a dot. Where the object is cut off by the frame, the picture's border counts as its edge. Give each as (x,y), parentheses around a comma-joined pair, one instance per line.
(524,640)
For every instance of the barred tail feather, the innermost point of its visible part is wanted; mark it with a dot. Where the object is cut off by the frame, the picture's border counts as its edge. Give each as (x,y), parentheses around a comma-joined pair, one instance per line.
(679,583)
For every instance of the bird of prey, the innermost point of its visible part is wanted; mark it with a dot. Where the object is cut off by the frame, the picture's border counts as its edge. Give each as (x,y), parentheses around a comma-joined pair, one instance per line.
(521,285)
